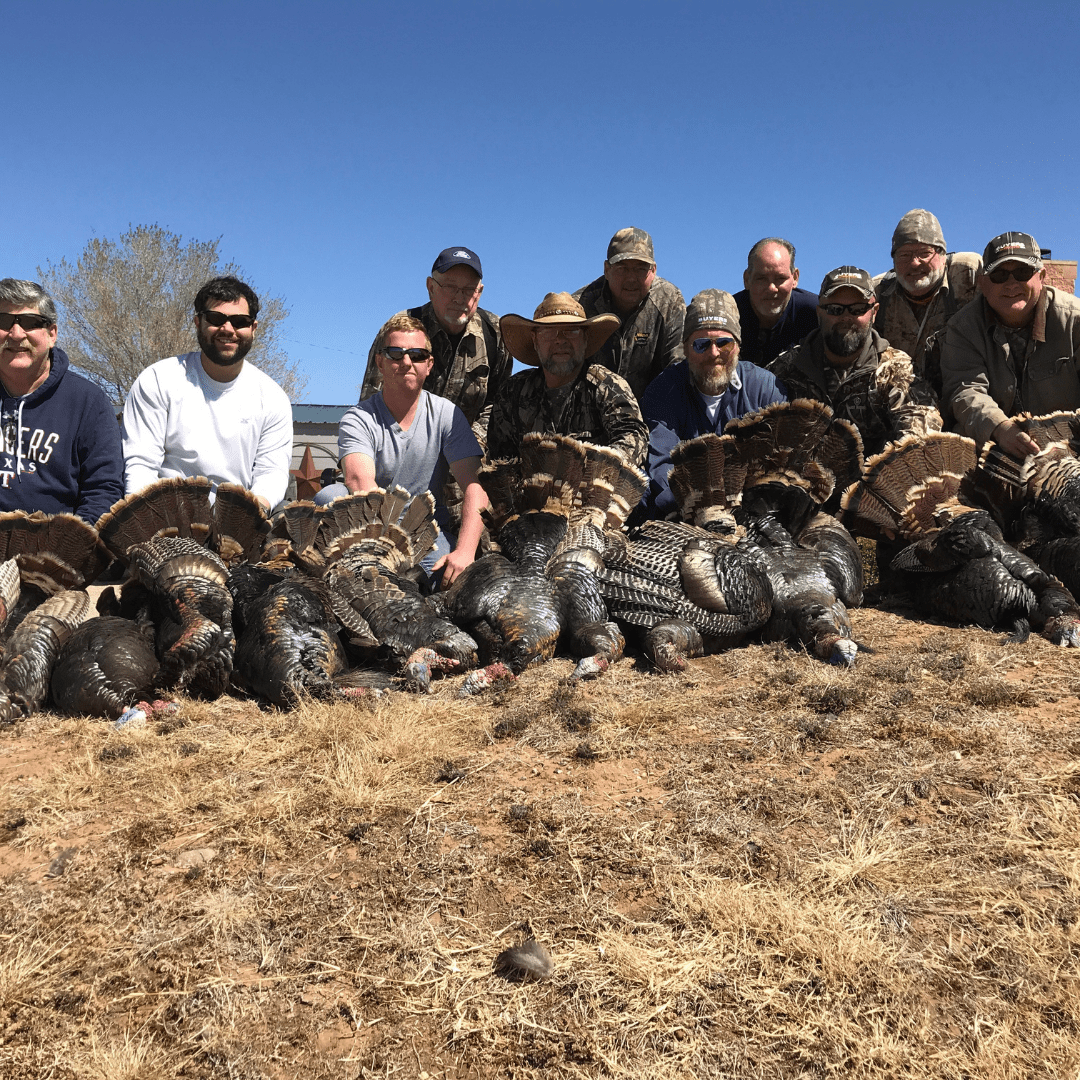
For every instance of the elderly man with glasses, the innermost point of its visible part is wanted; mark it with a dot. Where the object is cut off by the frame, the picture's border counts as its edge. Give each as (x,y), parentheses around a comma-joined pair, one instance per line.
(1015,348)
(565,389)
(469,363)
(846,364)
(703,393)
(403,435)
(208,413)
(61,444)
(925,288)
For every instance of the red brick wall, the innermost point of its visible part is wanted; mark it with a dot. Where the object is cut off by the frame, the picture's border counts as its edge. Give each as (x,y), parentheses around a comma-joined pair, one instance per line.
(1061,274)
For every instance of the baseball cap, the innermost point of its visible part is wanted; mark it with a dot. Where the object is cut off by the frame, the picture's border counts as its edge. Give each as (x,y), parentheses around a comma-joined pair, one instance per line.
(631,244)
(918,227)
(1011,247)
(846,277)
(456,256)
(712,309)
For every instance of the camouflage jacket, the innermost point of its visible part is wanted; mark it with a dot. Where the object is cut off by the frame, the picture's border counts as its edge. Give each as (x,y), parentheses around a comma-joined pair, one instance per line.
(649,338)
(880,393)
(907,326)
(599,408)
(470,375)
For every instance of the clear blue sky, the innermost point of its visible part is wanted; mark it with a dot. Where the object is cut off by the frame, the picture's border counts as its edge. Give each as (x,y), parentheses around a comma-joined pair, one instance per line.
(336,148)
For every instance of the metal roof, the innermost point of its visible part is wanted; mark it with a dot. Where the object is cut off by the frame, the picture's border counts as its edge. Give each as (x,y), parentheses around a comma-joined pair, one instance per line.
(318,414)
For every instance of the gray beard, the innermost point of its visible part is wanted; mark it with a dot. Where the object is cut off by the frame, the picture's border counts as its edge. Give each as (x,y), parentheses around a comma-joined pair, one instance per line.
(847,343)
(559,368)
(714,385)
(924,285)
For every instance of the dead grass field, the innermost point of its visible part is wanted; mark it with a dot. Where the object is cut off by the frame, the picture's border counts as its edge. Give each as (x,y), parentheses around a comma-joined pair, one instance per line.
(766,868)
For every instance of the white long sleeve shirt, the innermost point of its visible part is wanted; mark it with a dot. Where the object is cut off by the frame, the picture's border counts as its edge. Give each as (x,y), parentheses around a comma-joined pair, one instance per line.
(180,422)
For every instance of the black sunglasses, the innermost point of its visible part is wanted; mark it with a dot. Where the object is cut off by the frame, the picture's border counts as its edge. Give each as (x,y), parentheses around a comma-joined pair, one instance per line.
(219,318)
(397,354)
(858,310)
(1021,273)
(27,322)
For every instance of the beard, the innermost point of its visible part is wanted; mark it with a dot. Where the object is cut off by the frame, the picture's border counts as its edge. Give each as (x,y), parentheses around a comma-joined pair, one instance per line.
(713,382)
(922,285)
(560,366)
(846,342)
(214,354)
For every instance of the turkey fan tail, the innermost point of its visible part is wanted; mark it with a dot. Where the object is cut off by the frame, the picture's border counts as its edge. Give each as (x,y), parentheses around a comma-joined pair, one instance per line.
(177,506)
(10,582)
(1063,427)
(299,522)
(552,467)
(610,487)
(700,478)
(63,539)
(502,481)
(240,526)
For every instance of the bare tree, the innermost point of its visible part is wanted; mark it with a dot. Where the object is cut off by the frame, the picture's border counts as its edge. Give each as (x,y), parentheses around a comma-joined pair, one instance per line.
(128,303)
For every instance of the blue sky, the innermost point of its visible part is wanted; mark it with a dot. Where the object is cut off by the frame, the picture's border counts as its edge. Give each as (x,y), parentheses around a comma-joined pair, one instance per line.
(336,148)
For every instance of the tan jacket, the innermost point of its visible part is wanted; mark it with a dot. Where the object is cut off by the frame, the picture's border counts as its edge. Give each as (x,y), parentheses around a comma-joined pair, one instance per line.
(981,376)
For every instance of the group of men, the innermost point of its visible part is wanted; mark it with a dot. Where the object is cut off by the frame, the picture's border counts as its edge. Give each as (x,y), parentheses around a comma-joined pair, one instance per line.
(942,339)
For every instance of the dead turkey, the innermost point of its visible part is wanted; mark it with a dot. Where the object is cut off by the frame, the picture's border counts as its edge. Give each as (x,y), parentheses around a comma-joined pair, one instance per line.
(754,552)
(956,564)
(550,510)
(1037,500)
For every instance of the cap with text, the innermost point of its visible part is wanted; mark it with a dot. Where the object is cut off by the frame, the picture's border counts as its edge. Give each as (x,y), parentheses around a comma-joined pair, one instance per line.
(846,277)
(1011,247)
(712,309)
(456,256)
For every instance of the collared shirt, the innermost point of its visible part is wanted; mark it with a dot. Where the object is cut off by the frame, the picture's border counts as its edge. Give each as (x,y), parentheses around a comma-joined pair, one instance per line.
(469,372)
(879,393)
(762,347)
(597,407)
(648,339)
(676,410)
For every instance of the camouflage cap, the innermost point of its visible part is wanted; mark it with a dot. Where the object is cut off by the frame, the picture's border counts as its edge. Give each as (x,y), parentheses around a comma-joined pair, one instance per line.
(456,256)
(631,244)
(918,227)
(1011,247)
(846,277)
(712,309)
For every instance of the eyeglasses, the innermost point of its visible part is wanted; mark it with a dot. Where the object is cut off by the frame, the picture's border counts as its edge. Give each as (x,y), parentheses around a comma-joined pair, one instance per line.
(552,332)
(395,354)
(923,255)
(1021,273)
(702,345)
(464,294)
(27,322)
(858,310)
(219,319)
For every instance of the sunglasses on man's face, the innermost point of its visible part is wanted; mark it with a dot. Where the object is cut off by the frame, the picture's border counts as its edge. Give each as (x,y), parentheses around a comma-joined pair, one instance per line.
(1021,273)
(396,354)
(858,310)
(27,322)
(219,319)
(702,345)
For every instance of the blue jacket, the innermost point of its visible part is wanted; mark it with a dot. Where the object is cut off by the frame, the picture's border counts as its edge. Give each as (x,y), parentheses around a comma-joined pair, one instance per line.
(674,411)
(67,455)
(799,318)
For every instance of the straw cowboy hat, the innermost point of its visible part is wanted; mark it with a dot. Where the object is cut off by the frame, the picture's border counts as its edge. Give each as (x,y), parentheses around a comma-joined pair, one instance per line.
(556,309)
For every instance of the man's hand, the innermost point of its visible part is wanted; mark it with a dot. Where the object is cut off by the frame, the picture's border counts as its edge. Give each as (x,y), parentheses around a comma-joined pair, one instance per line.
(451,566)
(1014,440)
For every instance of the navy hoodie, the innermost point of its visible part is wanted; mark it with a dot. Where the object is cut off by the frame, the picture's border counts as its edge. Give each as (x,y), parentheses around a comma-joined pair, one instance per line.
(67,454)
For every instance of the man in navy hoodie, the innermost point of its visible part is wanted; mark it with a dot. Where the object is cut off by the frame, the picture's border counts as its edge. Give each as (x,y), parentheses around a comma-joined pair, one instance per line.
(60,448)
(702,393)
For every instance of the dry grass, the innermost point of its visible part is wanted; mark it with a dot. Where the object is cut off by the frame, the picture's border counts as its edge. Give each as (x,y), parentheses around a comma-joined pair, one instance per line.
(766,868)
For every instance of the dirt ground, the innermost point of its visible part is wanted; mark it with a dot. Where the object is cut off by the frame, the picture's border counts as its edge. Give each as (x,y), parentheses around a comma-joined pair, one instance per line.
(765,867)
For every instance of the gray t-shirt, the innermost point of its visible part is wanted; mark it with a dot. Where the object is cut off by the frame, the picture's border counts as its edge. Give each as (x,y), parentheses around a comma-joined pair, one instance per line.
(417,459)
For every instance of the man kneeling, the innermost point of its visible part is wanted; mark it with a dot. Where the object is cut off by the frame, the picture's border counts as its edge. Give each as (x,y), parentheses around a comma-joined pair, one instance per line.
(404,436)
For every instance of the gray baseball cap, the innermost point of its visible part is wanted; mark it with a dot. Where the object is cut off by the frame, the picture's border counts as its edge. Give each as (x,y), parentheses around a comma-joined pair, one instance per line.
(712,309)
(1011,247)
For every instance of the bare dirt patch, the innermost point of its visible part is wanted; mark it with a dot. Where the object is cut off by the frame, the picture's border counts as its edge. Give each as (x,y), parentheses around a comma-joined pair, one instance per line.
(768,867)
